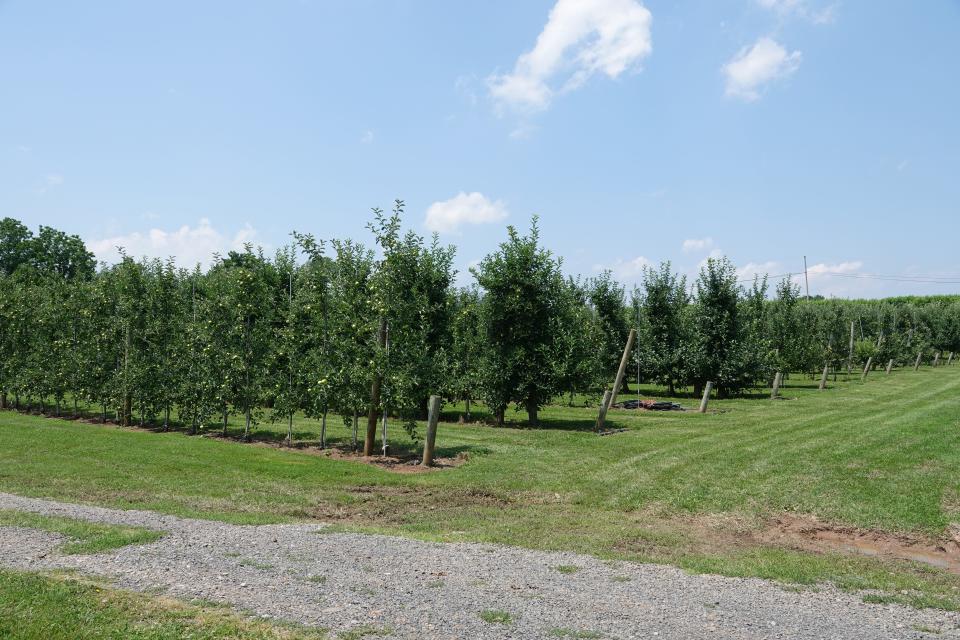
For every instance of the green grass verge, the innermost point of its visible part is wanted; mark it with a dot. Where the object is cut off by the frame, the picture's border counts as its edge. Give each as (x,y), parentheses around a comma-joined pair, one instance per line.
(681,488)
(57,607)
(87,537)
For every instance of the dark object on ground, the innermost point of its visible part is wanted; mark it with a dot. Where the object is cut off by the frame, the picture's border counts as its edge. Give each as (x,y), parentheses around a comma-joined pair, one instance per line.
(610,432)
(650,405)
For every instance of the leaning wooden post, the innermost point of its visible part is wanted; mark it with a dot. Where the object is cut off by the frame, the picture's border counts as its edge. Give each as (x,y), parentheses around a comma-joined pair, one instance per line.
(950,359)
(866,369)
(623,367)
(777,379)
(706,396)
(916,365)
(850,355)
(603,409)
(823,378)
(433,416)
(889,366)
(936,358)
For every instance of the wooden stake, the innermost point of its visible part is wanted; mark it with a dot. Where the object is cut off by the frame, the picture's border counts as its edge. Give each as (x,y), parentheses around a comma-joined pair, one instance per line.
(916,365)
(433,416)
(823,378)
(850,356)
(936,358)
(777,380)
(623,366)
(603,409)
(950,359)
(706,397)
(889,366)
(866,369)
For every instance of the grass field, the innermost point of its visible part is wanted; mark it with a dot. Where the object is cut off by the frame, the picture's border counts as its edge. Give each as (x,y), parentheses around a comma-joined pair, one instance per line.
(697,491)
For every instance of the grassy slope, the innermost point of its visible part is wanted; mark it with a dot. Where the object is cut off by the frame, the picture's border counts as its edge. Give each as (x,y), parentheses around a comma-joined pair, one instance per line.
(39,607)
(677,487)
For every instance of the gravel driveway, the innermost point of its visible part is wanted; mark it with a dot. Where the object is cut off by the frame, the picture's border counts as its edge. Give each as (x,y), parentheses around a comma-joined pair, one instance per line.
(412,589)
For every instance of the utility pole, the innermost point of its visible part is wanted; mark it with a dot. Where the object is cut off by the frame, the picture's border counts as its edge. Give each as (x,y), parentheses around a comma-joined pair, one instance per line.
(806,278)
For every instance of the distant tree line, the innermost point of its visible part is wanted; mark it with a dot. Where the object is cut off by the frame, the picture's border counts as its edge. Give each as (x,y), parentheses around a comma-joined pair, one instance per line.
(337,328)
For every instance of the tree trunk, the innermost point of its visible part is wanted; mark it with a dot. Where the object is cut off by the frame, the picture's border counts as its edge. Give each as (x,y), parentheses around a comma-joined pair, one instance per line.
(225,412)
(373,414)
(531,405)
(356,424)
(290,430)
(498,416)
(323,429)
(246,426)
(76,410)
(468,408)
(166,418)
(3,400)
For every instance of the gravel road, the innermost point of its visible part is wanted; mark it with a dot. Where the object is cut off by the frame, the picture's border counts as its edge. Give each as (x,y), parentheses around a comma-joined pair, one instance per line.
(412,589)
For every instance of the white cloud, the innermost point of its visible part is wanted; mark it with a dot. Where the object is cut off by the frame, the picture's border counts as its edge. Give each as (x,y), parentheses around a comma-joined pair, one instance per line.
(627,270)
(697,244)
(189,245)
(367,137)
(581,38)
(753,67)
(446,216)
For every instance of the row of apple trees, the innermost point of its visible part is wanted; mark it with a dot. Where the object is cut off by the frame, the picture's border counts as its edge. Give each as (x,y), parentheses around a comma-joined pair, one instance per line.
(338,328)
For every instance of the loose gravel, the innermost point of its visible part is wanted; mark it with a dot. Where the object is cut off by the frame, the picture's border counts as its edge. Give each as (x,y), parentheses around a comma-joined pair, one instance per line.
(410,589)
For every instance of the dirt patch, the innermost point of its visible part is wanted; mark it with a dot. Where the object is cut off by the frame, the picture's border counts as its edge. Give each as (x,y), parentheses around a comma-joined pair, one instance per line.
(402,504)
(811,534)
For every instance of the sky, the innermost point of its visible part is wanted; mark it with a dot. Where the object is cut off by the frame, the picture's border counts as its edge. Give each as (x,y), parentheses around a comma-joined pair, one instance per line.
(638,131)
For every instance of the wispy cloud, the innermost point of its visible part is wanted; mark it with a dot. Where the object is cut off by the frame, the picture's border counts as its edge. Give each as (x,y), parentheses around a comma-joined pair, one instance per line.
(447,216)
(802,9)
(691,245)
(190,245)
(49,182)
(367,137)
(581,38)
(755,66)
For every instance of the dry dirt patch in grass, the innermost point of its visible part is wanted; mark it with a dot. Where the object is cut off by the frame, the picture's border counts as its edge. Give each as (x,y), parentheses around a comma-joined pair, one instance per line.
(397,504)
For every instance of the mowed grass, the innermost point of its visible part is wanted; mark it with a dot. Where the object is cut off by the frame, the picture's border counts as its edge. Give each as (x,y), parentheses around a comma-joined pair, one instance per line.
(86,537)
(58,607)
(683,488)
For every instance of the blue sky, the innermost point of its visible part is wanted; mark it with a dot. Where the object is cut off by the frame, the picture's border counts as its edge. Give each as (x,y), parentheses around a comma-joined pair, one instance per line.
(764,130)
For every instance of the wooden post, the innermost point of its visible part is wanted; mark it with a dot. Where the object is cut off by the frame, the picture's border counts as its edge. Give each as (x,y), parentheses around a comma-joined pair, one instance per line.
(866,369)
(950,359)
(823,378)
(889,366)
(373,414)
(603,409)
(706,396)
(433,415)
(623,367)
(936,358)
(777,379)
(850,356)
(916,365)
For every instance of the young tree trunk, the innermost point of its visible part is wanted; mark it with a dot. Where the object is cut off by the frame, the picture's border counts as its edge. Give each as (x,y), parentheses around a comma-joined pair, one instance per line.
(104,420)
(531,405)
(246,427)
(225,415)
(498,416)
(356,424)
(323,429)
(468,407)
(166,418)
(76,410)
(3,400)
(369,441)
(290,430)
